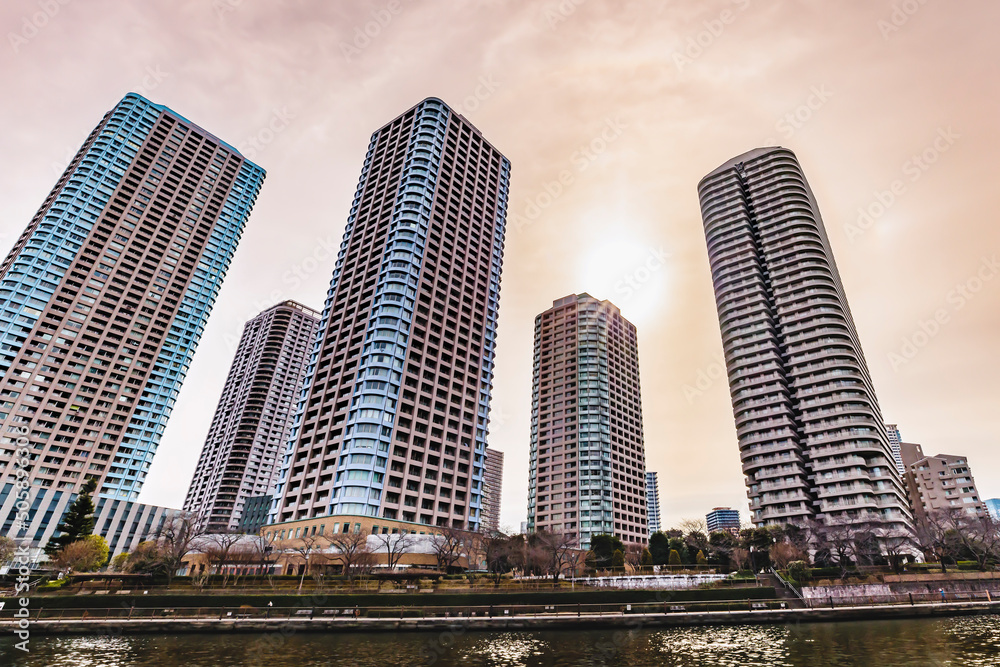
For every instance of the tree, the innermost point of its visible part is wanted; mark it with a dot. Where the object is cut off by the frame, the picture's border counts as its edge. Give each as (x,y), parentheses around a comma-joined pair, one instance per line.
(646,560)
(740,558)
(675,558)
(119,562)
(617,559)
(723,543)
(700,558)
(558,553)
(146,558)
(218,548)
(677,544)
(604,547)
(395,546)
(502,554)
(449,546)
(633,556)
(352,552)
(659,548)
(77,523)
(176,539)
(84,555)
(307,545)
(784,553)
(8,547)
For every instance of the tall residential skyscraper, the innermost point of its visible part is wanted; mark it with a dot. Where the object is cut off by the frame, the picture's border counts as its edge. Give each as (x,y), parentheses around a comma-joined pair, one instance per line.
(493,489)
(894,440)
(811,435)
(652,502)
(240,457)
(104,297)
(993,507)
(588,464)
(393,419)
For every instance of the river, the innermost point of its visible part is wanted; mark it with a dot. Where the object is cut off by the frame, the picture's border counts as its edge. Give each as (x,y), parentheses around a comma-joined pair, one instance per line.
(952,642)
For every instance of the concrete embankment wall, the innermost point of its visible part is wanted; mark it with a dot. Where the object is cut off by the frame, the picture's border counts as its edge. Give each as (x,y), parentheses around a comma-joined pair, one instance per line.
(566,621)
(895,589)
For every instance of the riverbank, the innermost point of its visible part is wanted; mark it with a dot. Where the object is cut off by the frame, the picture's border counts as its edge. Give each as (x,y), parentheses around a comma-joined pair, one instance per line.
(554,621)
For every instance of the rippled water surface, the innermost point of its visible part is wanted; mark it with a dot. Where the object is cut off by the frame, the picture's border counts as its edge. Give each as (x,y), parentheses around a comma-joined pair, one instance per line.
(973,641)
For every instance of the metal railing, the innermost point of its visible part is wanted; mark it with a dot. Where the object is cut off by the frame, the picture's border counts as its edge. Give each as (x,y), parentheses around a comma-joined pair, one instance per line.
(248,612)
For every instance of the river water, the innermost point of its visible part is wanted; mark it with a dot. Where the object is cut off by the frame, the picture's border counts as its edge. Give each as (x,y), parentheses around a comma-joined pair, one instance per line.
(971,640)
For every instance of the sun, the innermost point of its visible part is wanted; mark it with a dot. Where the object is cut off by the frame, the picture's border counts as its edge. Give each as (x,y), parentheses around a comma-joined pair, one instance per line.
(631,274)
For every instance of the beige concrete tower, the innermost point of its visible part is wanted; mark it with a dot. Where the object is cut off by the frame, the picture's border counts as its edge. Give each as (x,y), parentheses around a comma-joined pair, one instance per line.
(588,465)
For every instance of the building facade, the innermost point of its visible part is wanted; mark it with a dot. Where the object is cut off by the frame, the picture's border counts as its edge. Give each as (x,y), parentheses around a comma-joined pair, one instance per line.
(394,415)
(811,435)
(253,420)
(652,502)
(255,513)
(993,507)
(724,519)
(103,300)
(587,474)
(940,483)
(492,489)
(892,430)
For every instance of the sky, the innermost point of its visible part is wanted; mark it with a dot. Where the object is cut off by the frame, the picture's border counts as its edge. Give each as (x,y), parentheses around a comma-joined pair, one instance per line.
(610,113)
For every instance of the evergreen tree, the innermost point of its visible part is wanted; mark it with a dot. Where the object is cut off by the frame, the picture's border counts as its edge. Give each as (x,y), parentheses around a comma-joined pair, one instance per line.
(659,548)
(701,558)
(78,521)
(675,558)
(617,559)
(604,547)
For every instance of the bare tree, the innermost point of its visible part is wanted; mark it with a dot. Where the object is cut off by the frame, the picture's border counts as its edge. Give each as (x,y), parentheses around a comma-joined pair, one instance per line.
(352,552)
(218,548)
(633,556)
(688,526)
(176,539)
(740,558)
(450,544)
(395,545)
(305,547)
(559,551)
(784,553)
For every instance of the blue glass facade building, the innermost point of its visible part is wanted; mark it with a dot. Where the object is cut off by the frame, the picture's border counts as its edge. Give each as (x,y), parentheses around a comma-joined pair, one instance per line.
(381,430)
(104,297)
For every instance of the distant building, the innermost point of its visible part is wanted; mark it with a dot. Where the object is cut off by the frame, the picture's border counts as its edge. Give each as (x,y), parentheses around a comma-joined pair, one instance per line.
(652,502)
(894,440)
(253,420)
(254,515)
(492,489)
(723,518)
(939,482)
(993,507)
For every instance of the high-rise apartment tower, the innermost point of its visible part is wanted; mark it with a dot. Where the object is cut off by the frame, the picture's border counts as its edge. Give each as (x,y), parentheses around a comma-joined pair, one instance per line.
(811,436)
(493,488)
(252,422)
(393,418)
(587,474)
(652,502)
(103,300)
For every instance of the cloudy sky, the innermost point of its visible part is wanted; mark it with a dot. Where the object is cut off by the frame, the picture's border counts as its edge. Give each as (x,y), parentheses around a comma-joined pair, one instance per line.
(610,113)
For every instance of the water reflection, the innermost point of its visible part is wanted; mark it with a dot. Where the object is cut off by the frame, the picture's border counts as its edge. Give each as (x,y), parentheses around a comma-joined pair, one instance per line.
(969,641)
